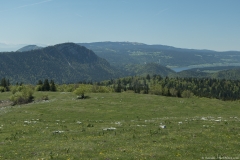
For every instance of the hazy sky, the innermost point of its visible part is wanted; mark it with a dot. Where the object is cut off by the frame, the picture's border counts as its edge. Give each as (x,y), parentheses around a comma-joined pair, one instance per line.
(198,24)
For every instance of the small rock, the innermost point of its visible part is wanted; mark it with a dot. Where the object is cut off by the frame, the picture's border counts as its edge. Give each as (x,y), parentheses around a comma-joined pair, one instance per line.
(109,129)
(162,126)
(58,131)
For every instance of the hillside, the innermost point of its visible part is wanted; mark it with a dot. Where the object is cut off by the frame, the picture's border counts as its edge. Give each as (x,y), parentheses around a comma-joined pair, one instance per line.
(150,68)
(69,62)
(63,63)
(122,53)
(233,74)
(29,48)
(226,72)
(191,73)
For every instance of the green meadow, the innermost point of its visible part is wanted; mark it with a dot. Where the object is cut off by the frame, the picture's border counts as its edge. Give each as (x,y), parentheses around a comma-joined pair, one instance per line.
(119,126)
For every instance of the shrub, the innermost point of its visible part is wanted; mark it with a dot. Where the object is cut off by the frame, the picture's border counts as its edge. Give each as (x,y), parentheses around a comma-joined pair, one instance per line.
(156,89)
(173,92)
(81,90)
(66,88)
(101,89)
(22,95)
(15,89)
(2,89)
(187,94)
(38,88)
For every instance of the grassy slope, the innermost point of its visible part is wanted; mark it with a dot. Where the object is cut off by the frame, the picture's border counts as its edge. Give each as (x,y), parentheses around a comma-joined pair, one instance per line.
(27,131)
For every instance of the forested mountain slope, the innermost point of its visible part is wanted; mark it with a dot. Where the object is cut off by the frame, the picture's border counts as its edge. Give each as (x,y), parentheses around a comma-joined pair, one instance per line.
(64,63)
(69,62)
(228,72)
(233,74)
(29,48)
(149,68)
(122,53)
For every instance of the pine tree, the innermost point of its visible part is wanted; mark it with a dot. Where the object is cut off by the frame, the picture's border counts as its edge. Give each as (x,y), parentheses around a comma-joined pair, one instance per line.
(52,86)
(118,88)
(40,82)
(5,84)
(46,86)
(148,77)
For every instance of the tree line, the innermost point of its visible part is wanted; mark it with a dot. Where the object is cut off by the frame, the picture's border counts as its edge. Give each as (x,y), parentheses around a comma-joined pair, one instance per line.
(46,85)
(178,87)
(4,85)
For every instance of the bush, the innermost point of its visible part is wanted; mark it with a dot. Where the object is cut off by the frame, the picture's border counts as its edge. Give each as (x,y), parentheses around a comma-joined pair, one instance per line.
(15,89)
(187,94)
(173,92)
(101,89)
(66,88)
(38,88)
(22,95)
(156,89)
(2,89)
(82,89)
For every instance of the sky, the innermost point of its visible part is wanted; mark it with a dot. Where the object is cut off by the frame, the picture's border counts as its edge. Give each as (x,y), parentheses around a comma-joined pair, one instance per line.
(195,24)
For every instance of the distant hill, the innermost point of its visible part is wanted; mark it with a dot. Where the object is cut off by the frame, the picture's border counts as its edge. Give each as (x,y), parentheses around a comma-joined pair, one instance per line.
(70,62)
(123,53)
(233,74)
(191,73)
(222,72)
(63,63)
(29,48)
(150,68)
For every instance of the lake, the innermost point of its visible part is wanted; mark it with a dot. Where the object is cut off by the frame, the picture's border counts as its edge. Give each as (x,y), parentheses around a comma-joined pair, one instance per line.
(179,69)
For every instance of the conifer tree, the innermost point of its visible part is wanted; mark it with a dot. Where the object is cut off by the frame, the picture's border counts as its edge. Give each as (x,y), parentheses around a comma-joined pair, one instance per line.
(46,86)
(148,77)
(52,86)
(5,84)
(118,88)
(40,82)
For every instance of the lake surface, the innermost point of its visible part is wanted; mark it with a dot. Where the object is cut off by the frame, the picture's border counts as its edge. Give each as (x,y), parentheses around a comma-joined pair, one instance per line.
(181,69)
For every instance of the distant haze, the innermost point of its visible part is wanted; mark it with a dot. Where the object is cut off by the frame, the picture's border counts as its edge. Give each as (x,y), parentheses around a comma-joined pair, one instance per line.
(9,47)
(13,47)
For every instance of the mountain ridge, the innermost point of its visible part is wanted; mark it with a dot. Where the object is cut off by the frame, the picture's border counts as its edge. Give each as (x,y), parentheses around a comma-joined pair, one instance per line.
(64,63)
(70,62)
(29,48)
(165,55)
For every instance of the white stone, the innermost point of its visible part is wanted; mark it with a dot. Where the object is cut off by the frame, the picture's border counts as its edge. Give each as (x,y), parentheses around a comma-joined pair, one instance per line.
(58,131)
(109,129)
(162,126)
